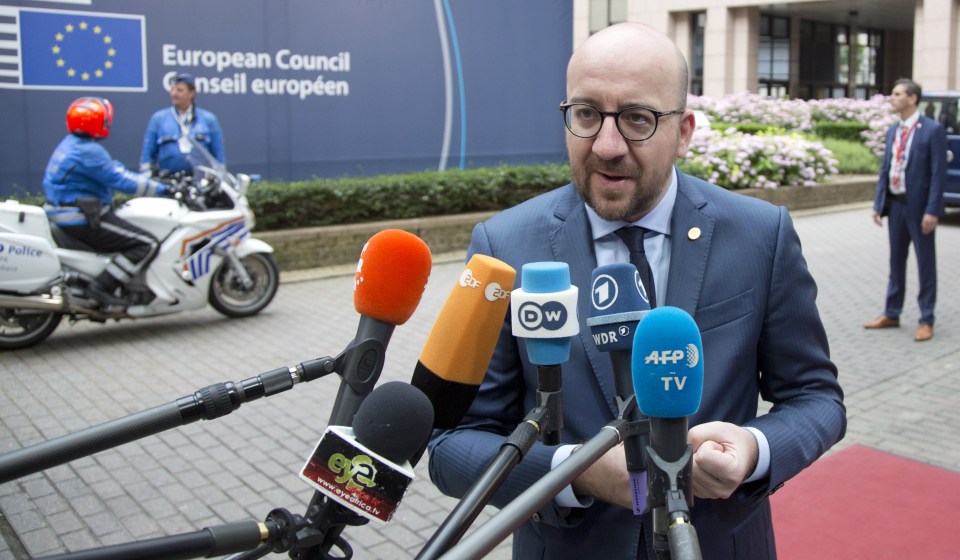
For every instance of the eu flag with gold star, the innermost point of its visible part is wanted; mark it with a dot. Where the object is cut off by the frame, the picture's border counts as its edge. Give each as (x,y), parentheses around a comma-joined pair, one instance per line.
(81,50)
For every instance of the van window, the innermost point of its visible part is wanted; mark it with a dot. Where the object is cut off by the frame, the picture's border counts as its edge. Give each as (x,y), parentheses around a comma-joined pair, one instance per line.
(944,109)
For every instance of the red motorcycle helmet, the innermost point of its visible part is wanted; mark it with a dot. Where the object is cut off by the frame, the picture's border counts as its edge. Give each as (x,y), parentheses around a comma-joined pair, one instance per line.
(90,116)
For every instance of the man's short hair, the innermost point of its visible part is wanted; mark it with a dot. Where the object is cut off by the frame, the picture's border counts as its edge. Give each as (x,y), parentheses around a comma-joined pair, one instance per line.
(911,87)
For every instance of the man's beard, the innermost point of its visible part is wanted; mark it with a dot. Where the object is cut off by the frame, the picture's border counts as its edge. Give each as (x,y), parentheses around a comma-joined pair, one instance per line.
(643,198)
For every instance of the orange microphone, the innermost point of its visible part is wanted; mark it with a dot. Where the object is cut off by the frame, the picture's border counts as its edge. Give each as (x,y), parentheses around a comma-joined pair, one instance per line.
(391,276)
(390,279)
(461,342)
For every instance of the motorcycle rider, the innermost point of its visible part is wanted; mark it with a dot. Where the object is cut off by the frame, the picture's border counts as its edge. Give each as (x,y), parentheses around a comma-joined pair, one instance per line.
(79,184)
(165,142)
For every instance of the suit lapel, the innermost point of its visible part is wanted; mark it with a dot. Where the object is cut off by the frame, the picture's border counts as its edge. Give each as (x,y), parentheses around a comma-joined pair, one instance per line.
(571,241)
(691,231)
(919,138)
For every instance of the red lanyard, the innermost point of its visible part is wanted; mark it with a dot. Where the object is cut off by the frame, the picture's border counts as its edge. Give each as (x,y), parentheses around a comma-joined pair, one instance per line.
(904,138)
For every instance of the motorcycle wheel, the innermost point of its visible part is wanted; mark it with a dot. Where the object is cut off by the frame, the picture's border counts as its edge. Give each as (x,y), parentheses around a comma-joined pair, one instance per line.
(227,294)
(20,328)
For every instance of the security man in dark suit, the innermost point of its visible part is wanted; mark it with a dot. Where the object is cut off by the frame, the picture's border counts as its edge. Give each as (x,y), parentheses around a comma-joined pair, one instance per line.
(910,194)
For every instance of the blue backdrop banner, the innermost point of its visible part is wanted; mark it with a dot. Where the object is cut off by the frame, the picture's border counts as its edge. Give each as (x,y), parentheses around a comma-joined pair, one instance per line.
(301,88)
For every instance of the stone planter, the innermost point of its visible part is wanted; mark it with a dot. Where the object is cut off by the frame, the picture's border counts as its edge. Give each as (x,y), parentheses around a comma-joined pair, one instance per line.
(308,248)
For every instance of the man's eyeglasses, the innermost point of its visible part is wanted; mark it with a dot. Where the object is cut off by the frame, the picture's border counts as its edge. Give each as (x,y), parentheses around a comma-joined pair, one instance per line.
(635,123)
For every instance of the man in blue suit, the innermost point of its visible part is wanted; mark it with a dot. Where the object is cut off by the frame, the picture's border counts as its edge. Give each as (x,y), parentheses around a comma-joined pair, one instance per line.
(910,194)
(733,262)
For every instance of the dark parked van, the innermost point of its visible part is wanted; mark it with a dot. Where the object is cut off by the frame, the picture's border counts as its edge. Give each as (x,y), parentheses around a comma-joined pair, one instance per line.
(945,107)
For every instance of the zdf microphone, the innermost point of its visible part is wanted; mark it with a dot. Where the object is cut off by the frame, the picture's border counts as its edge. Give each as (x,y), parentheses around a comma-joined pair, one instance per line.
(391,276)
(367,468)
(460,344)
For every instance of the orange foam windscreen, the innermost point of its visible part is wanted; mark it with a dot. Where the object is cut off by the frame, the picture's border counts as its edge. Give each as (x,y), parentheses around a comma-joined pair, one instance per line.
(391,276)
(463,337)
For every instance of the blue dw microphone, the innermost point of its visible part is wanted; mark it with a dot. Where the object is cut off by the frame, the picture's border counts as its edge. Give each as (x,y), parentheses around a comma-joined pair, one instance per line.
(668,380)
(543,311)
(618,303)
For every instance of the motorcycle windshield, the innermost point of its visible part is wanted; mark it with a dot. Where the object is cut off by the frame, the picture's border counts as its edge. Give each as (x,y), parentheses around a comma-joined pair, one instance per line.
(203,162)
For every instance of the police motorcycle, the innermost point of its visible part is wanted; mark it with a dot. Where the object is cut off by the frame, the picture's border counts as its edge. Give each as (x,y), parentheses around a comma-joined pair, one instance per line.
(206,256)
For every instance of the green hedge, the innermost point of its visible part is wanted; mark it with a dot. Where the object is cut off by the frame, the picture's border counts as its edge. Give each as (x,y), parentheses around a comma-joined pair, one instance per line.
(853,158)
(748,127)
(348,200)
(847,130)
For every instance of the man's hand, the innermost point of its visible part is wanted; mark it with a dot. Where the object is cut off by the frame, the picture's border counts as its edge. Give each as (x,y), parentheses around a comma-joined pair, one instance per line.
(877,218)
(724,456)
(607,480)
(929,223)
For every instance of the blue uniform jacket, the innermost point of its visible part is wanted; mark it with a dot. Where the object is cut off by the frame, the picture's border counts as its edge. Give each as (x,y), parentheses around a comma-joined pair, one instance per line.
(82,167)
(160,148)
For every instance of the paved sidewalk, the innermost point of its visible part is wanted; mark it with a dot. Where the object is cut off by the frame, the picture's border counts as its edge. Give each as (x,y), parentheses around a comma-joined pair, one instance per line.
(902,397)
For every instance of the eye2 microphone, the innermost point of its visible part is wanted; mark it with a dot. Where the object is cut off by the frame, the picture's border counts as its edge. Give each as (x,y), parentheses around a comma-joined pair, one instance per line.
(460,344)
(391,276)
(544,313)
(618,304)
(366,468)
(668,380)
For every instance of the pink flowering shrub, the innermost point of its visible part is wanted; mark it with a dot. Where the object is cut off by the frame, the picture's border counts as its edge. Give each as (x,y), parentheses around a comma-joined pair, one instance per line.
(876,112)
(736,160)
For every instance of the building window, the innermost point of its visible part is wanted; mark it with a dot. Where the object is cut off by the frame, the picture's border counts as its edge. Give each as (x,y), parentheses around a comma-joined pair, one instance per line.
(604,13)
(698,23)
(773,57)
(824,60)
(867,63)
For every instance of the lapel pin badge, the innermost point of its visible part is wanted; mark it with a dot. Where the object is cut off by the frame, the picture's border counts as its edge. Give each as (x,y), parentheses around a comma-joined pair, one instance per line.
(694,233)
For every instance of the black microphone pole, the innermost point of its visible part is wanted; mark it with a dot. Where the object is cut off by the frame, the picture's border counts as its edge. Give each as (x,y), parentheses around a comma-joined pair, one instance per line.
(670,453)
(677,537)
(517,512)
(478,496)
(361,368)
(550,397)
(205,543)
(207,403)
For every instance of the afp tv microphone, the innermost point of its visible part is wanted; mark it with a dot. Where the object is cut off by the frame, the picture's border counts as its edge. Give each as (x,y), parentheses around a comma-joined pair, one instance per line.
(366,468)
(455,357)
(389,282)
(668,381)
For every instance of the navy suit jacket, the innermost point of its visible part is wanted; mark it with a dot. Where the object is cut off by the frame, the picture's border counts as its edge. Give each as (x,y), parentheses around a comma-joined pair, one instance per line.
(926,171)
(746,284)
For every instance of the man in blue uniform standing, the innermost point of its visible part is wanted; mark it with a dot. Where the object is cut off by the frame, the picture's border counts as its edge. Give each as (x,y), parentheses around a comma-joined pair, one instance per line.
(166,144)
(79,183)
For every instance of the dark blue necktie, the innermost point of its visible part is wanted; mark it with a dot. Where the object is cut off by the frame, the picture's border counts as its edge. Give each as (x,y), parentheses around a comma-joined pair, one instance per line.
(632,237)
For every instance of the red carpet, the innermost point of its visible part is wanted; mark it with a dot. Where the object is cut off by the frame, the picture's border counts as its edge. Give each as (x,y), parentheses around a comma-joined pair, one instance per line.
(863,503)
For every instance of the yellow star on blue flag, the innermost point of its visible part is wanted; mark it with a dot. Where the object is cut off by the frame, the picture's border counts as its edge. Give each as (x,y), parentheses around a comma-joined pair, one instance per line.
(83,50)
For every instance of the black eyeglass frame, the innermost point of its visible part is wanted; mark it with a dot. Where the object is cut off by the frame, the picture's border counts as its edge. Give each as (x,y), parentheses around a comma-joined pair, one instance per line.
(564,106)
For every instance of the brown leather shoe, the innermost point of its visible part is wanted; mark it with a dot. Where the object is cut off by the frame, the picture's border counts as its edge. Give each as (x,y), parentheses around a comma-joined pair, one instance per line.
(924,332)
(882,322)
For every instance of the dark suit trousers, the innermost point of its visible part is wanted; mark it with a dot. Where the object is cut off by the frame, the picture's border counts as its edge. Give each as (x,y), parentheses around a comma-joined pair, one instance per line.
(904,229)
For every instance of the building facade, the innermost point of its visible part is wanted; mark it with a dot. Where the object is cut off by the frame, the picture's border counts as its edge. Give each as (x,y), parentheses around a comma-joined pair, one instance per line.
(801,49)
